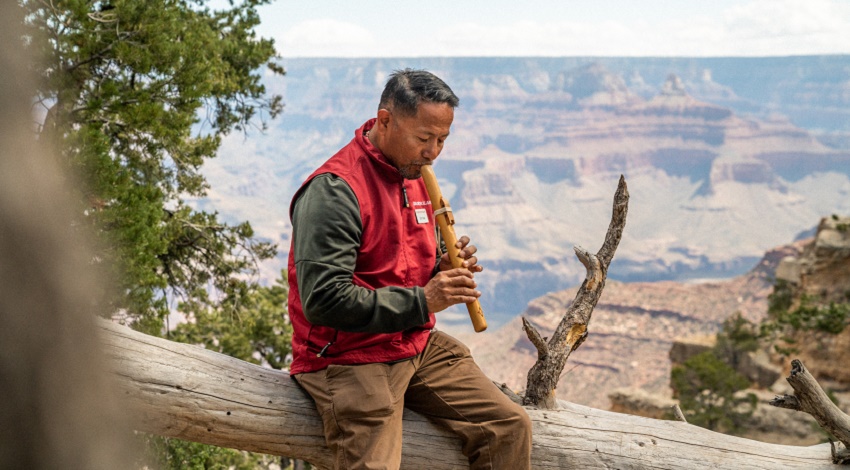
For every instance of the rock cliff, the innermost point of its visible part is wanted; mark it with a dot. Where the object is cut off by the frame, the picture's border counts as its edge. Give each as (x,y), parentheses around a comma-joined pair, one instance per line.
(821,271)
(711,189)
(632,331)
(640,330)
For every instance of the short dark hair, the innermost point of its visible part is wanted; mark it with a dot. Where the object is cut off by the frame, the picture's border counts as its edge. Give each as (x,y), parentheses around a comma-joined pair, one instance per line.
(407,88)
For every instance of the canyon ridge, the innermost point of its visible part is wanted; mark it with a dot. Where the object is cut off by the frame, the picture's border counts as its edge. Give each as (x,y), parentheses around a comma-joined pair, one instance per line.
(725,159)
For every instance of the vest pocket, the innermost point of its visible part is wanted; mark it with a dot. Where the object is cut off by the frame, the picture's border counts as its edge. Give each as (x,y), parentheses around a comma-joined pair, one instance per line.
(319,340)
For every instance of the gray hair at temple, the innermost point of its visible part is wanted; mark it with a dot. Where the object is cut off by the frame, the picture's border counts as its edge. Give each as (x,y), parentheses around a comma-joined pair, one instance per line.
(407,88)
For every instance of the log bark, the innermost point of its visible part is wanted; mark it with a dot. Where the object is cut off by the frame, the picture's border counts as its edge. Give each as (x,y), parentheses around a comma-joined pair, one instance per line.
(187,392)
(571,332)
(809,397)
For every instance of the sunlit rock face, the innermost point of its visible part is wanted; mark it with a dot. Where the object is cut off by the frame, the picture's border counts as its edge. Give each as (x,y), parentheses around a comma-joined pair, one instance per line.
(631,334)
(821,272)
(711,190)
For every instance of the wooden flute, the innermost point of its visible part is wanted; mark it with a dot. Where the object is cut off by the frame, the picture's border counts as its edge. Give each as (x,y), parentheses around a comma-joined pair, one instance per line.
(445,219)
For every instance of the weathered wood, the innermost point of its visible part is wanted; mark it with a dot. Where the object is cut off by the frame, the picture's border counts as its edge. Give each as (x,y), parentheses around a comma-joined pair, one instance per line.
(809,397)
(191,393)
(571,332)
(679,415)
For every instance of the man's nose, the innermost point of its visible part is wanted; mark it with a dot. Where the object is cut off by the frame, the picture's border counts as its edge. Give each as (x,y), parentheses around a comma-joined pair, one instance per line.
(432,151)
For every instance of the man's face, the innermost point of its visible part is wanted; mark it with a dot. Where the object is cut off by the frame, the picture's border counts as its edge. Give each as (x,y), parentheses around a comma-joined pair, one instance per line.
(413,141)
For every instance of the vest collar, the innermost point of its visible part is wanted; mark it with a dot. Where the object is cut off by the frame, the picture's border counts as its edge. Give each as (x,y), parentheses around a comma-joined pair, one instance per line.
(373,152)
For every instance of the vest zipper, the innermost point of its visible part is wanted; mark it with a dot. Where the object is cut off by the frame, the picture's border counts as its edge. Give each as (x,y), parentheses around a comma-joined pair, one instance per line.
(322,352)
(325,349)
(404,246)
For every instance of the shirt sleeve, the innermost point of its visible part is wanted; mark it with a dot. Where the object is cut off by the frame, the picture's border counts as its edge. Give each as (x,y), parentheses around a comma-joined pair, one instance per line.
(327,230)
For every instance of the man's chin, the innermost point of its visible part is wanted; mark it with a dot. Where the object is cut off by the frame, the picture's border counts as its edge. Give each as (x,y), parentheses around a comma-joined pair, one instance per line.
(411,172)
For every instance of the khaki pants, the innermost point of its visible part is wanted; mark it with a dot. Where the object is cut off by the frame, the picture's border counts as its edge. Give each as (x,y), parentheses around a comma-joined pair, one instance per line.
(361,408)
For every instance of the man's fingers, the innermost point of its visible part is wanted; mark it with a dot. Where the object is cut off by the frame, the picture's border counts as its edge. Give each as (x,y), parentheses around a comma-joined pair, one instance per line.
(467,252)
(467,295)
(460,282)
(459,274)
(452,287)
(462,241)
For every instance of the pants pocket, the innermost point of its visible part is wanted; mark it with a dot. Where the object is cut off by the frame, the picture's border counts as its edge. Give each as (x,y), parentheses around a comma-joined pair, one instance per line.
(450,344)
(360,390)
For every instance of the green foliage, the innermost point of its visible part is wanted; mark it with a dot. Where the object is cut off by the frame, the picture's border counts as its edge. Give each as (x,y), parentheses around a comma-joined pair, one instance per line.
(781,298)
(737,337)
(708,384)
(136,94)
(811,314)
(175,454)
(828,319)
(257,330)
(706,388)
(841,227)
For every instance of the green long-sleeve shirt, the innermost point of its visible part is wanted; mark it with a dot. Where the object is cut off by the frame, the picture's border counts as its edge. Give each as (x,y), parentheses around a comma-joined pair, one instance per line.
(327,230)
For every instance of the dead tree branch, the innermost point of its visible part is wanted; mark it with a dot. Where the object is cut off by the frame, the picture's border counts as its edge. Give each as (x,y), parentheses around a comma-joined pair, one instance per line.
(572,331)
(679,415)
(810,398)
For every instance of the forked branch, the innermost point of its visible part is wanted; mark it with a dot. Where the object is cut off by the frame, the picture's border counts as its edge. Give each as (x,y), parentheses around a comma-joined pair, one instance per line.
(572,331)
(810,398)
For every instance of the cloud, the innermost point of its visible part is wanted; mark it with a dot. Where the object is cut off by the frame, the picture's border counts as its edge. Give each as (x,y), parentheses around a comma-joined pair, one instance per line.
(756,28)
(751,28)
(790,26)
(327,37)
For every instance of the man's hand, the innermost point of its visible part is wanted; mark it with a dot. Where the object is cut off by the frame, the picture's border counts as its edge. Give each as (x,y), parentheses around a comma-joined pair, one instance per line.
(466,253)
(451,287)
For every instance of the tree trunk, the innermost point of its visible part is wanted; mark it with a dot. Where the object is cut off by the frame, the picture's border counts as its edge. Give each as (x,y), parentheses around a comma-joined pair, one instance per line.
(187,392)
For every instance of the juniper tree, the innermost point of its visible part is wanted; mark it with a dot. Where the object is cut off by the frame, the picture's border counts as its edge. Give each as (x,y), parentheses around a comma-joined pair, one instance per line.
(136,95)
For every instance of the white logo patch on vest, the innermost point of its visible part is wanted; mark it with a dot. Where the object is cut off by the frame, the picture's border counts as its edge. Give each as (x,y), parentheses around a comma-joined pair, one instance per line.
(421,216)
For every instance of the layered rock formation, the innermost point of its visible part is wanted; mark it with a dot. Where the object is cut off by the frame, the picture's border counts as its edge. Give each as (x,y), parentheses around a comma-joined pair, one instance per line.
(821,271)
(717,174)
(711,190)
(640,330)
(631,334)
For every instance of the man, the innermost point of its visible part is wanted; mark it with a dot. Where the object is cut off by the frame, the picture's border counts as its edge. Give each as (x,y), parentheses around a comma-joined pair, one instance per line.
(366,277)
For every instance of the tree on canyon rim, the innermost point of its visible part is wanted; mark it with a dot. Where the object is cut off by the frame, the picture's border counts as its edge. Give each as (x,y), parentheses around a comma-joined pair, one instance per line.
(135,96)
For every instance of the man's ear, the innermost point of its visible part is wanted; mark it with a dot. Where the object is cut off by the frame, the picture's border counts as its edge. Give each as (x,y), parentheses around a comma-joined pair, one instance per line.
(384,117)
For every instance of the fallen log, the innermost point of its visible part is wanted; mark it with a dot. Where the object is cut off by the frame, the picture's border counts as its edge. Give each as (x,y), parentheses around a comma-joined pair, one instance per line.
(185,391)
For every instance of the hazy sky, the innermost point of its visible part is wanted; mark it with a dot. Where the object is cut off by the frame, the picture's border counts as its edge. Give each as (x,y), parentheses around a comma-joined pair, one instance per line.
(382,28)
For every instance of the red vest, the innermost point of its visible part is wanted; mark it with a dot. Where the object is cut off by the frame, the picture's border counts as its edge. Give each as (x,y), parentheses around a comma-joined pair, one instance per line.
(395,250)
